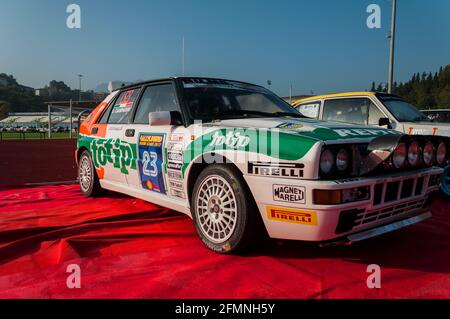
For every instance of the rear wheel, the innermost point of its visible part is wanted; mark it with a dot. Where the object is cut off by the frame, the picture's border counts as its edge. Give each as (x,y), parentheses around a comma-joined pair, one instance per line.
(87,177)
(223,210)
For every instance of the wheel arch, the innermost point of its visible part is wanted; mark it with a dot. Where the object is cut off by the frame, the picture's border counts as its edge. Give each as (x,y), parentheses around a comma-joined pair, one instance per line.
(199,164)
(80,151)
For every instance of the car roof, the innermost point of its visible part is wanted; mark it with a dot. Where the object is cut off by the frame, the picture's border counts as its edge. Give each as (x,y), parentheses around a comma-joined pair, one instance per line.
(346,94)
(326,96)
(435,110)
(181,78)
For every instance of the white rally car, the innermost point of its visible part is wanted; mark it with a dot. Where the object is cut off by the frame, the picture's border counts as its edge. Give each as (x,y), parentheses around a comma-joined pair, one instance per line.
(242,163)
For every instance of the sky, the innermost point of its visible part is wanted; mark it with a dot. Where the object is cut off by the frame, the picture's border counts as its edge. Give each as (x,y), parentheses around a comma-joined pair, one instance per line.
(317,46)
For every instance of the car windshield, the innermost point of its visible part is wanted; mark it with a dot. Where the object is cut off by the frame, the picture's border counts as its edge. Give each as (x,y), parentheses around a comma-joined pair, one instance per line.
(404,111)
(210,100)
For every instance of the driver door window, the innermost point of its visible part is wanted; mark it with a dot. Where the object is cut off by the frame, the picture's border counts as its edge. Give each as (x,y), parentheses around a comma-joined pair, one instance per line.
(354,110)
(374,115)
(156,98)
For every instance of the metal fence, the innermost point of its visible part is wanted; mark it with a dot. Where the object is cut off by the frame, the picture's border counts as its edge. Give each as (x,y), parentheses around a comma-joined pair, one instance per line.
(60,121)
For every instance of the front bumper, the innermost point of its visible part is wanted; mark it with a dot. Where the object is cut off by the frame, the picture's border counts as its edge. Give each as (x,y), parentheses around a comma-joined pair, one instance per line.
(393,198)
(379,230)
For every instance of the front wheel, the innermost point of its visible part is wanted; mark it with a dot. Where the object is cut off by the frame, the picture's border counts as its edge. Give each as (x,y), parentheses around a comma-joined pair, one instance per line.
(223,210)
(87,177)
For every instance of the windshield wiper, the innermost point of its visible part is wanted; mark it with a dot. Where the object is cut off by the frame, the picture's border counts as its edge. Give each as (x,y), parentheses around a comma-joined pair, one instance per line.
(297,115)
(258,113)
(421,118)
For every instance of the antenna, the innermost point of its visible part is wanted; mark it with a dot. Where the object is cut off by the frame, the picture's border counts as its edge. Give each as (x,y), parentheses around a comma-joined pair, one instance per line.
(182,57)
(290,93)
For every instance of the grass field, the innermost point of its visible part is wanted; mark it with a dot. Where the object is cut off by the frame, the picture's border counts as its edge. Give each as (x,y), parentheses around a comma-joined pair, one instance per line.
(34,135)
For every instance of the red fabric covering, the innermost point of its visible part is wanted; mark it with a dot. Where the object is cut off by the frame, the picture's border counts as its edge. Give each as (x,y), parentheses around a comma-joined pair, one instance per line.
(128,248)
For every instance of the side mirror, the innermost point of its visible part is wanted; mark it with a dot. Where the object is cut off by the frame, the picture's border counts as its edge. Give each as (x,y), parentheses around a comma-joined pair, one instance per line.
(383,121)
(164,118)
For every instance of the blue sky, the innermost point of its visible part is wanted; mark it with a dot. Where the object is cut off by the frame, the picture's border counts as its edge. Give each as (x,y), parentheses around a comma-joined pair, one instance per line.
(319,46)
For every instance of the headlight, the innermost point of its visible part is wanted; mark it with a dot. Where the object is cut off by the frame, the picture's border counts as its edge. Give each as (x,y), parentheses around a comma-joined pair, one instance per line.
(428,153)
(326,162)
(342,160)
(399,156)
(441,153)
(413,154)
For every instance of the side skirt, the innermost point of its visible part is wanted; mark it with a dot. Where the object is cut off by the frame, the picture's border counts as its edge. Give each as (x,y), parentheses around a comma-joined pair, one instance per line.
(176,204)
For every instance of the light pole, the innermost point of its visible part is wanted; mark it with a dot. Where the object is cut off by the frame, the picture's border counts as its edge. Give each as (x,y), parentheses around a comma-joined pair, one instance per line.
(391,49)
(79,93)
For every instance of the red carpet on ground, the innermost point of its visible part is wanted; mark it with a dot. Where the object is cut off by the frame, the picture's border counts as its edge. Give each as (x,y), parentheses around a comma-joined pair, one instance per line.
(128,248)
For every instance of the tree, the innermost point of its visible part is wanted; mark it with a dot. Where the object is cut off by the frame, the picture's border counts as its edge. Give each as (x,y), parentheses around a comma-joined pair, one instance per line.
(4,109)
(379,88)
(425,90)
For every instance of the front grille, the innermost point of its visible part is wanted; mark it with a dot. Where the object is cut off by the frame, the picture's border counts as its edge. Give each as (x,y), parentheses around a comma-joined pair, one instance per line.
(353,218)
(379,214)
(387,192)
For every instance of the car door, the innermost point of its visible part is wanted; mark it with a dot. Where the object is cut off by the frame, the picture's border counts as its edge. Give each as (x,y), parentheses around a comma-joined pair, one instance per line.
(114,153)
(159,148)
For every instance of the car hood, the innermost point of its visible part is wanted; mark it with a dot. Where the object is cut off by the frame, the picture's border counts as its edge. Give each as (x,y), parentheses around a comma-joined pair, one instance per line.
(426,128)
(314,129)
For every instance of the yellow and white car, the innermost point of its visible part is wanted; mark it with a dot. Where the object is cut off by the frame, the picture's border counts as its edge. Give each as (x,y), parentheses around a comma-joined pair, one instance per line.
(241,162)
(376,109)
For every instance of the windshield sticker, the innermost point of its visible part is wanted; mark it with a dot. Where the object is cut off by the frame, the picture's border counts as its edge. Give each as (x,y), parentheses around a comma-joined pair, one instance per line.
(289,126)
(221,84)
(150,162)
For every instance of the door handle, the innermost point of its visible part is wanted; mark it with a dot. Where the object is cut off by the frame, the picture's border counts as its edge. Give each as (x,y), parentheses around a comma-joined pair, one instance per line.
(129,132)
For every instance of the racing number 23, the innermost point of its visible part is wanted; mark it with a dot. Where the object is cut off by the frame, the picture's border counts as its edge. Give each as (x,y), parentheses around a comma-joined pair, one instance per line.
(149,166)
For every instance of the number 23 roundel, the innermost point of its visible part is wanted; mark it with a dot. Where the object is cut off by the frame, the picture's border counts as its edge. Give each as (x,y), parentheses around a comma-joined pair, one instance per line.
(150,147)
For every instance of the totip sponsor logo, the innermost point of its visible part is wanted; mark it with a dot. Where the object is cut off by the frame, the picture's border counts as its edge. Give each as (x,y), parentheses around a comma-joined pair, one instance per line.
(231,140)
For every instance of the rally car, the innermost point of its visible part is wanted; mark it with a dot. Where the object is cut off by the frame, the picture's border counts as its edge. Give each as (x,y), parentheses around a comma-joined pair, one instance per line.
(378,109)
(242,163)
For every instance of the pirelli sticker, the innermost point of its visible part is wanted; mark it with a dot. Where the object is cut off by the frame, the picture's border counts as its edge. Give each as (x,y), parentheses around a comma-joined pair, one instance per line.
(289,215)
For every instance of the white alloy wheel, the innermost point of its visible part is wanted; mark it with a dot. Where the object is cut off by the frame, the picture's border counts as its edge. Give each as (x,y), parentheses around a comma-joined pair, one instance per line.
(216,209)
(85,174)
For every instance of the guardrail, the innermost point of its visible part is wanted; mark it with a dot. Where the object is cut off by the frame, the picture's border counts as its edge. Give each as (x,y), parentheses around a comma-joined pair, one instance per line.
(18,135)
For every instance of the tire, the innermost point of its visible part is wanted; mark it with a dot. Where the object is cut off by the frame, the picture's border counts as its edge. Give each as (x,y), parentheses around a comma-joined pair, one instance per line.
(87,176)
(223,210)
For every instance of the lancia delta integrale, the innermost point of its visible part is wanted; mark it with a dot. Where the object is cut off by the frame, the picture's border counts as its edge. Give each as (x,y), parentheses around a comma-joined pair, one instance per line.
(243,163)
